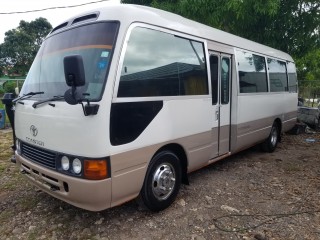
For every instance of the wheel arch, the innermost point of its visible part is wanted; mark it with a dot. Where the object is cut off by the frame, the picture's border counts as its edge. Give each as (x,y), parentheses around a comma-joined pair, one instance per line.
(181,154)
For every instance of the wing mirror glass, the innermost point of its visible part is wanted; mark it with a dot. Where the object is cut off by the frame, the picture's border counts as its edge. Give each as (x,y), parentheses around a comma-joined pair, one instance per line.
(74,76)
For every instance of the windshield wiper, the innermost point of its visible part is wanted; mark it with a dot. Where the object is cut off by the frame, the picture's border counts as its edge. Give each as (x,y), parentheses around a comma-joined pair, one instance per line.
(24,96)
(54,98)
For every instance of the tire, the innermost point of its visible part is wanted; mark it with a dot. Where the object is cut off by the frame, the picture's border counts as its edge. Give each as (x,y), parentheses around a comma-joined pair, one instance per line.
(162,182)
(270,144)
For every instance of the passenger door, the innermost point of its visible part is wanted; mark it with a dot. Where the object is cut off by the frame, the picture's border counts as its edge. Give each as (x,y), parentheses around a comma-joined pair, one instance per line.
(220,67)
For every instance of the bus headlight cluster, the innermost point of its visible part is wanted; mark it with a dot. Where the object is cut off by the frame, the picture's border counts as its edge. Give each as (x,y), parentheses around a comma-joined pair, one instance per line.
(83,167)
(71,165)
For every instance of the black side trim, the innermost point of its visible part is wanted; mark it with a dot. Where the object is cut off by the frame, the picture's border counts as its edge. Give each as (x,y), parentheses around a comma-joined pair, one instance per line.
(128,120)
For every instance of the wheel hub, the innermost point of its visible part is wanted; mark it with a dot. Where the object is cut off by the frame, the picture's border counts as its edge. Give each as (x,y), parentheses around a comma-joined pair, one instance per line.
(163,181)
(274,137)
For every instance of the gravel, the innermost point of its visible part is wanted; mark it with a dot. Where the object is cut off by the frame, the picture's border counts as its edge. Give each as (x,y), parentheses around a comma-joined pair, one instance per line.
(251,195)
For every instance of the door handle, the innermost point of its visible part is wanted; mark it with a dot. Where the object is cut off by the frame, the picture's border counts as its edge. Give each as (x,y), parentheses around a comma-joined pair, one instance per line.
(217,115)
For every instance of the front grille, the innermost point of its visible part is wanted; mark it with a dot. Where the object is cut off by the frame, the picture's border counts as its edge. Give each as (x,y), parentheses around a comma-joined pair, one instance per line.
(38,155)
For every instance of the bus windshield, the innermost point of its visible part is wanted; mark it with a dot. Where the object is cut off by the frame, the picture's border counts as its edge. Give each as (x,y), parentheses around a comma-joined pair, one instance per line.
(94,42)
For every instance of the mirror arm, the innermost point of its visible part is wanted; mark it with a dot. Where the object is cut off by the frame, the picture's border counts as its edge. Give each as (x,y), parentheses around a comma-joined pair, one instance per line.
(89,109)
(73,90)
(84,110)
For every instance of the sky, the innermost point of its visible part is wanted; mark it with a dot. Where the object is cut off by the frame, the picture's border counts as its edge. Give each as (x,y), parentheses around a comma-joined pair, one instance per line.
(54,16)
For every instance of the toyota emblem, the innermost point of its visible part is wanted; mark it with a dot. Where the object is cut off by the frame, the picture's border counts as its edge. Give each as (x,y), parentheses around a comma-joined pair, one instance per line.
(33,130)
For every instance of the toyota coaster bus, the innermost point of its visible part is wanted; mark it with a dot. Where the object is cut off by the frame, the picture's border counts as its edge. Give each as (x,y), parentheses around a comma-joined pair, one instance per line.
(126,100)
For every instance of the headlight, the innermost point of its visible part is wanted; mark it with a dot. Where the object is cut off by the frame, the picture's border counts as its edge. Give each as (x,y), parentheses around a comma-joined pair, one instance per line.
(65,163)
(18,146)
(76,166)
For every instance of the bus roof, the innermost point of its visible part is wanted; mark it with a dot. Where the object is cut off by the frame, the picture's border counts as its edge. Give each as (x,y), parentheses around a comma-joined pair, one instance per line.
(128,14)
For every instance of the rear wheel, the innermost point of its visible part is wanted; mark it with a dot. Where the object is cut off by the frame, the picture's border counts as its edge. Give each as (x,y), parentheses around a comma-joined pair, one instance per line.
(162,181)
(270,144)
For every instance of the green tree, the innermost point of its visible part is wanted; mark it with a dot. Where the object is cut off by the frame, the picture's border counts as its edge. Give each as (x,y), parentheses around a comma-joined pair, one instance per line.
(221,14)
(289,25)
(292,26)
(309,74)
(21,45)
(139,2)
(295,27)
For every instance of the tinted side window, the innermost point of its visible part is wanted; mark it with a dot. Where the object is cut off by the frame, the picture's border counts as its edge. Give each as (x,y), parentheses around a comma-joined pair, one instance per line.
(292,75)
(214,64)
(252,73)
(161,64)
(225,80)
(277,75)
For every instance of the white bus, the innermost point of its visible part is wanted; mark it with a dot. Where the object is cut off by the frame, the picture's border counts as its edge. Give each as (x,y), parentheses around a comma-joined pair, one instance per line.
(126,100)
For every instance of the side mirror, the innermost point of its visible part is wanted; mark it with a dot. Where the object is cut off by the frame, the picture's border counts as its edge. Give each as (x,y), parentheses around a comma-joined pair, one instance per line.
(74,71)
(75,77)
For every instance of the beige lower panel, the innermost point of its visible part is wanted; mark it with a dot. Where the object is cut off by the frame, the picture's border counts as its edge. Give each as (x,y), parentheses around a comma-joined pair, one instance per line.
(289,124)
(256,125)
(251,133)
(248,140)
(128,171)
(86,194)
(290,119)
(224,143)
(129,168)
(290,115)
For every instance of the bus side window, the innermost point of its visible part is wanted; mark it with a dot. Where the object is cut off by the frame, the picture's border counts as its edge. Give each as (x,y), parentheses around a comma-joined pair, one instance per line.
(252,72)
(214,63)
(157,63)
(278,75)
(292,75)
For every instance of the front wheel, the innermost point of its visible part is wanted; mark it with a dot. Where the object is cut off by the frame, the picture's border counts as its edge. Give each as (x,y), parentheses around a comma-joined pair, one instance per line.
(270,144)
(162,181)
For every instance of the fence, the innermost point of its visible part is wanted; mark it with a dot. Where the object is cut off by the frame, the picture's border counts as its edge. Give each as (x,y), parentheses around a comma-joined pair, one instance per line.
(309,91)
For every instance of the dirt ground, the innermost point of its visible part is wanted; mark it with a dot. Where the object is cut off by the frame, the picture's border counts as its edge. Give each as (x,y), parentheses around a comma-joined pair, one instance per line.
(251,195)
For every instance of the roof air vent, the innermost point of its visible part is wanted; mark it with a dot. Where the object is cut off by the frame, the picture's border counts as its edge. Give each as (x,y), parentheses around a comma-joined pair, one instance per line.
(85,18)
(59,27)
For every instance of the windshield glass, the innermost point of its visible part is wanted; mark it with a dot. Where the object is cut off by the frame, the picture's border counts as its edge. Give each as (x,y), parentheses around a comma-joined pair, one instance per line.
(93,42)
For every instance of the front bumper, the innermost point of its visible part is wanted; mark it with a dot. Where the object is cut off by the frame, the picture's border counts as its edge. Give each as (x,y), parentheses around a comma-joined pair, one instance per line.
(87,194)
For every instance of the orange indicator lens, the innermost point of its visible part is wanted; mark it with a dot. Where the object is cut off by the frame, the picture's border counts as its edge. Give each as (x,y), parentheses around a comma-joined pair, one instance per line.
(95,169)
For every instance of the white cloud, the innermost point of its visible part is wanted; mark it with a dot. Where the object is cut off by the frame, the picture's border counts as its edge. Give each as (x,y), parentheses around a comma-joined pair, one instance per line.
(55,16)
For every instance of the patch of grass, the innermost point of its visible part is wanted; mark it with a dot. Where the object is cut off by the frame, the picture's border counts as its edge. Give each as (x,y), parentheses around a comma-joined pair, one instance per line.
(12,182)
(27,203)
(292,168)
(6,214)
(2,167)
(33,235)
(9,186)
(5,146)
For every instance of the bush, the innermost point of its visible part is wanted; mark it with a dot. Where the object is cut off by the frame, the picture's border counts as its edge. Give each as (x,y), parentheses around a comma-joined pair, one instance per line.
(9,87)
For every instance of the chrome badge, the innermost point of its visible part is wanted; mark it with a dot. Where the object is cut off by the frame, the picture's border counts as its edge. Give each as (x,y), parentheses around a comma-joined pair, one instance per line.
(33,130)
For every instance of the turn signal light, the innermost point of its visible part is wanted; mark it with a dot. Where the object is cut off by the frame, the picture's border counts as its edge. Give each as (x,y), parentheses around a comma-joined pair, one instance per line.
(95,169)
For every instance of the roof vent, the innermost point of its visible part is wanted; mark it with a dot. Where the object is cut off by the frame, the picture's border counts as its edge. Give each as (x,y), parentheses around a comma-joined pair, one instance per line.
(92,16)
(59,27)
